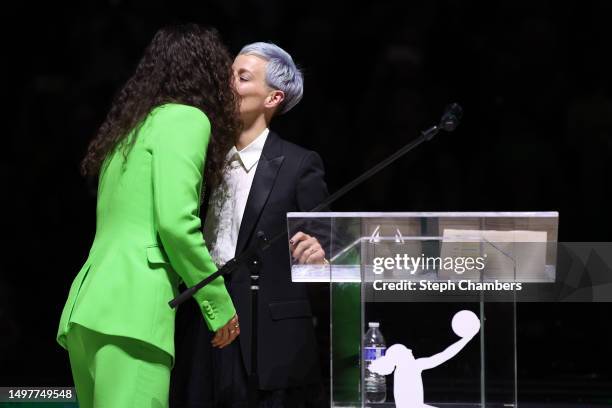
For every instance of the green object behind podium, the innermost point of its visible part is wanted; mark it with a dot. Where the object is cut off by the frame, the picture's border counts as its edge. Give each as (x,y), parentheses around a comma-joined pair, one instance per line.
(346,336)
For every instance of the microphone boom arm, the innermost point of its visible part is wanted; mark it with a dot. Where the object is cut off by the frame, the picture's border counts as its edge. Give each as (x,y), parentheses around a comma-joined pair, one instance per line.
(449,122)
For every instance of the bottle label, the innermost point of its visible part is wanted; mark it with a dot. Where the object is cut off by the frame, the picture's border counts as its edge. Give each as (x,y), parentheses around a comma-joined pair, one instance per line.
(372,353)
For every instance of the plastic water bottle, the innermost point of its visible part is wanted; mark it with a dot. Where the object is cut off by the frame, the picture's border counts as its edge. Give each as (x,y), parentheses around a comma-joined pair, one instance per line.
(374,347)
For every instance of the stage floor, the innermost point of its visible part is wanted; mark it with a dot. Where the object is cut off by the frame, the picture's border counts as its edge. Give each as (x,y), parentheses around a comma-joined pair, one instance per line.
(488,405)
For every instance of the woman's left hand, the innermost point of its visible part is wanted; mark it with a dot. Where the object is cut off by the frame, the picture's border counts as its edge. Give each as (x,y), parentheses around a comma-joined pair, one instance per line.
(306,249)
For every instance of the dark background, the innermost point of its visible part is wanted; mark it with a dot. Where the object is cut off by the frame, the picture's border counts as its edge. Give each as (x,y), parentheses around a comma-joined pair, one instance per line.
(533,78)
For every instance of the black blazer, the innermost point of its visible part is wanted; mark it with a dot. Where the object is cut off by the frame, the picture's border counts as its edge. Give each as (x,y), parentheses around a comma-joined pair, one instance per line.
(288,178)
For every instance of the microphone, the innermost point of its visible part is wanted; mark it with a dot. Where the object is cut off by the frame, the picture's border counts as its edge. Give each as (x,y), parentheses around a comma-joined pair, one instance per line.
(449,121)
(451,117)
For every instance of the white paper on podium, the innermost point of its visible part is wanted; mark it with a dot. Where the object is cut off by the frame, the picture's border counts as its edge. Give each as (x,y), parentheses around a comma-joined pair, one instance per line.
(503,251)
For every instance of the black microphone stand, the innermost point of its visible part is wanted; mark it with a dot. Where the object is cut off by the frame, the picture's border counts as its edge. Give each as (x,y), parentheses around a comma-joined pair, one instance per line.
(449,121)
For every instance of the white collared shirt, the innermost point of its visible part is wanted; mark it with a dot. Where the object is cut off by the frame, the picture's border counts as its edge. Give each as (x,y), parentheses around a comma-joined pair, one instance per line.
(228,200)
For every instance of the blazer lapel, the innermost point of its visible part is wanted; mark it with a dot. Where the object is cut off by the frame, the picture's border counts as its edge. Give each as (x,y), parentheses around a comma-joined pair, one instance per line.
(265,175)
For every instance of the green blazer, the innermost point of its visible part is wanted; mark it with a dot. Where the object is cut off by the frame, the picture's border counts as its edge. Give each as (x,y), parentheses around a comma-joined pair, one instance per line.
(148,236)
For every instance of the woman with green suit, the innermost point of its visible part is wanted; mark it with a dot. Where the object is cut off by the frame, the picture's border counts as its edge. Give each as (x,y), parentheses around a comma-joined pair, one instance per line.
(168,129)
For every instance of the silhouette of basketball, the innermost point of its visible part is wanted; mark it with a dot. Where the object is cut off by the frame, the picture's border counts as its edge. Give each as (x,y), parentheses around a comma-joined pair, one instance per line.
(465,323)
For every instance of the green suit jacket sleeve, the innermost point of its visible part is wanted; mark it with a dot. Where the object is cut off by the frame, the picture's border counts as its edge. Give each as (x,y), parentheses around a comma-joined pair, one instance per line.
(178,145)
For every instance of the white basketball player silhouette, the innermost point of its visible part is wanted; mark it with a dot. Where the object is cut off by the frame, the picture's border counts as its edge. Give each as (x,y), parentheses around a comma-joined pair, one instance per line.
(408,384)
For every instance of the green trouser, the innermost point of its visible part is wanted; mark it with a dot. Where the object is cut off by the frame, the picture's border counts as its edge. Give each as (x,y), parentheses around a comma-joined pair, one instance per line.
(117,372)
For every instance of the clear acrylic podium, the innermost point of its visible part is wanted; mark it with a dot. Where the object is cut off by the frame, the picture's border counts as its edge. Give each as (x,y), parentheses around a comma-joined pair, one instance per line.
(411,272)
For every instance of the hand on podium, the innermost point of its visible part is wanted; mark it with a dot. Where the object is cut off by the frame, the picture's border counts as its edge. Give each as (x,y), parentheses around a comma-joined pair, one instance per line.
(306,249)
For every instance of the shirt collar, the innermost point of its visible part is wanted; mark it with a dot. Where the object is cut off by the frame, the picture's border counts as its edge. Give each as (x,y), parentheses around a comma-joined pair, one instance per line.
(249,156)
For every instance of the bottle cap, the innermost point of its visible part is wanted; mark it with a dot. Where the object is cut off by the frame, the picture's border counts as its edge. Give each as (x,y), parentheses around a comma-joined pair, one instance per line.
(373,324)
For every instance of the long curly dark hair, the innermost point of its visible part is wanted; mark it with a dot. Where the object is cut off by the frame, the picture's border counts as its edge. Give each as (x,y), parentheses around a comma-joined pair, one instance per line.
(184,64)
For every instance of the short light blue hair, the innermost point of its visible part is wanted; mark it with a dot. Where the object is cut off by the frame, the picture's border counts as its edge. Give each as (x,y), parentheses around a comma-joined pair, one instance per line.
(281,72)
